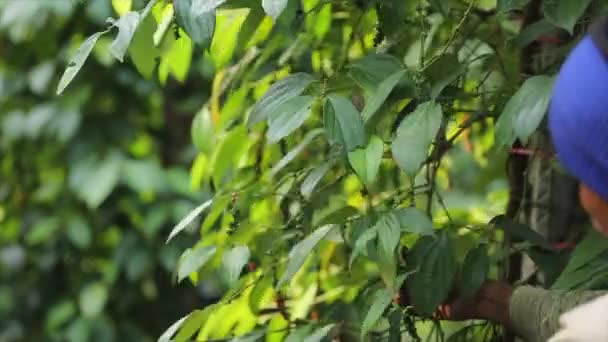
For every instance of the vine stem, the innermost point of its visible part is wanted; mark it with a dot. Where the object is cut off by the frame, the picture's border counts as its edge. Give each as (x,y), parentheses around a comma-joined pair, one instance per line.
(452,36)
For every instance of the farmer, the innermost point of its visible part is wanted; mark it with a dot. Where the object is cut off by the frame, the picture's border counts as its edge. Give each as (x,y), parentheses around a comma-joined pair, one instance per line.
(578,120)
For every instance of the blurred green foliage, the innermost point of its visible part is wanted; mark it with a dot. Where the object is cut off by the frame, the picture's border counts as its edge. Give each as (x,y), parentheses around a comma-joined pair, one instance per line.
(297,148)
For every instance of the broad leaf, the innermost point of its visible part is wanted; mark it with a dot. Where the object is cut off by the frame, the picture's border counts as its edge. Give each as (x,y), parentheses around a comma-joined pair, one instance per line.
(413,220)
(310,136)
(508,5)
(168,334)
(198,21)
(524,111)
(319,334)
(366,162)
(299,253)
(434,261)
(564,13)
(442,73)
(92,299)
(442,6)
(127,25)
(252,337)
(382,299)
(585,261)
(288,117)
(415,135)
(193,259)
(259,293)
(343,123)
(388,235)
(93,180)
(362,242)
(274,8)
(380,95)
(280,92)
(202,130)
(474,270)
(77,61)
(520,232)
(532,32)
(372,70)
(314,177)
(233,262)
(185,222)
(192,324)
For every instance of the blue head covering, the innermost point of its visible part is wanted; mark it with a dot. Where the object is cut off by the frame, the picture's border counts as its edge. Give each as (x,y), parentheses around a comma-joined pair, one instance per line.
(578,113)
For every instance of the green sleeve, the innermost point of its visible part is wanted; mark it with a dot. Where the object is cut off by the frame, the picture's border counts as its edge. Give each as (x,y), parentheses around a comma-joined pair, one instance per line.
(535,312)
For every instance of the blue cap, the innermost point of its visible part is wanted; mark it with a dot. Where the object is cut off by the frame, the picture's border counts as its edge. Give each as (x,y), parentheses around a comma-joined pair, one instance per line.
(578,114)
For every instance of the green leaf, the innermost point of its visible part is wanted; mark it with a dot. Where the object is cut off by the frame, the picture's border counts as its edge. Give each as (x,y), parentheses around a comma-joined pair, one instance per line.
(141,50)
(389,234)
(509,5)
(361,243)
(474,270)
(366,162)
(185,222)
(43,231)
(310,136)
(524,111)
(77,61)
(202,130)
(380,95)
(127,25)
(227,155)
(299,334)
(319,334)
(343,123)
(92,299)
(583,261)
(415,135)
(168,334)
(520,232)
(259,292)
(442,73)
(434,261)
(532,32)
(372,70)
(564,13)
(274,8)
(395,318)
(193,259)
(193,323)
(288,117)
(197,19)
(413,220)
(78,231)
(382,299)
(250,26)
(314,177)
(442,6)
(233,262)
(93,180)
(299,253)
(252,337)
(280,92)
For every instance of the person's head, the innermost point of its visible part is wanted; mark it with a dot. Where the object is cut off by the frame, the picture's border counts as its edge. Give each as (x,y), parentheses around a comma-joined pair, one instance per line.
(578,119)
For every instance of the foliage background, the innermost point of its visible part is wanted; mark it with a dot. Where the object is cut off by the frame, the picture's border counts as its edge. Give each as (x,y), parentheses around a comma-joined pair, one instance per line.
(93,180)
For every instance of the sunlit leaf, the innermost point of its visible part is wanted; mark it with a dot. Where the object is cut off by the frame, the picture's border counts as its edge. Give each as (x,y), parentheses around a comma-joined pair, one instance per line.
(274,8)
(193,259)
(168,334)
(192,324)
(301,251)
(280,92)
(77,61)
(127,25)
(415,135)
(185,222)
(202,130)
(92,299)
